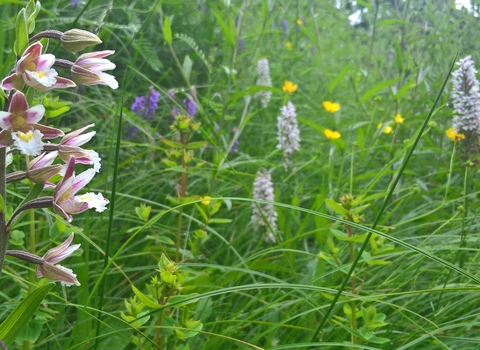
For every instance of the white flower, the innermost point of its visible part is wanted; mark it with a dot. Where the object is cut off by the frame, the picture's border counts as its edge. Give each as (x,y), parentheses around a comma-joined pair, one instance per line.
(93,200)
(288,133)
(466,97)
(29,143)
(263,71)
(264,214)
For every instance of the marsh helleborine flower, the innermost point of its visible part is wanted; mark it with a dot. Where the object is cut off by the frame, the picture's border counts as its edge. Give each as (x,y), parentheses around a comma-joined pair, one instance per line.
(89,69)
(35,70)
(53,272)
(20,126)
(65,200)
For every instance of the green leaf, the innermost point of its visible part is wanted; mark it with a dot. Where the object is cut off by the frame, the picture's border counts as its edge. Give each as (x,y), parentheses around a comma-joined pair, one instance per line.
(220,221)
(11,328)
(21,32)
(399,59)
(339,77)
(187,66)
(167,30)
(195,145)
(376,89)
(147,300)
(337,208)
(173,144)
(404,89)
(169,162)
(378,262)
(227,31)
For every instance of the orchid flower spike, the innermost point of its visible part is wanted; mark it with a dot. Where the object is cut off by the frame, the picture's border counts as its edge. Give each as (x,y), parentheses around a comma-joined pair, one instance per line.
(66,202)
(20,126)
(89,69)
(53,272)
(35,70)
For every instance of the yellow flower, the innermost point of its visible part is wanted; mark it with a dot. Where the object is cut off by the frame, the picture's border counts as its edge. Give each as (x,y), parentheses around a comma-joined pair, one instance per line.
(289,87)
(331,135)
(288,46)
(454,136)
(388,129)
(206,200)
(399,119)
(331,107)
(299,22)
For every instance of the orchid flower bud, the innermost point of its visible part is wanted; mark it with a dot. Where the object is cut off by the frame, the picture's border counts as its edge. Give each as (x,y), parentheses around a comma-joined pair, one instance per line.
(75,40)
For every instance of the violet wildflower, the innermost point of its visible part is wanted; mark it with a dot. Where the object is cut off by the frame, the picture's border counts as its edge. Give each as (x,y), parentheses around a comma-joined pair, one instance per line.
(288,133)
(284,26)
(190,107)
(466,97)
(264,214)
(53,272)
(263,71)
(145,106)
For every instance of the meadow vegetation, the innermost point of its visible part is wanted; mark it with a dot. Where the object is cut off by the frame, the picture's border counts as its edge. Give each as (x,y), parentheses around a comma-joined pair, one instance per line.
(279,175)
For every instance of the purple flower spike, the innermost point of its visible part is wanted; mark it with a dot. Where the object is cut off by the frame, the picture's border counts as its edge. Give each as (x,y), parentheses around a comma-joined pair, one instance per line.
(190,107)
(53,272)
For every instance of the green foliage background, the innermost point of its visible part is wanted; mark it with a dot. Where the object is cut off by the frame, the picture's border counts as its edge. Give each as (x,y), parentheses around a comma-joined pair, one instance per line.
(254,294)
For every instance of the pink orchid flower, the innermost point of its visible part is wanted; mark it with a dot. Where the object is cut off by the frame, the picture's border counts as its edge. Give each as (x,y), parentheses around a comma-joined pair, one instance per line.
(70,146)
(65,201)
(53,272)
(35,70)
(89,69)
(40,169)
(20,126)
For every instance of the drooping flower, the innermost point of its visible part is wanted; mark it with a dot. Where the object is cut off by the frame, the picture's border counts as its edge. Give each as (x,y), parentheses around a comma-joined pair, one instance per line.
(331,135)
(70,147)
(40,169)
(89,69)
(66,202)
(53,272)
(263,71)
(20,126)
(288,46)
(288,134)
(399,119)
(466,97)
(453,135)
(35,70)
(264,214)
(289,87)
(331,107)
